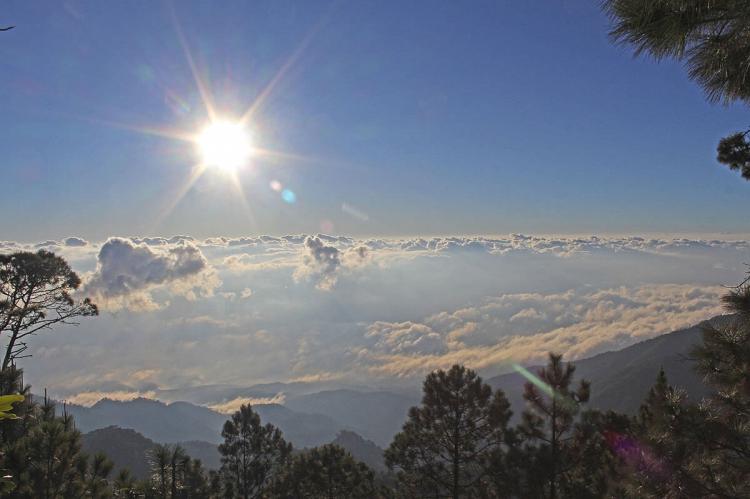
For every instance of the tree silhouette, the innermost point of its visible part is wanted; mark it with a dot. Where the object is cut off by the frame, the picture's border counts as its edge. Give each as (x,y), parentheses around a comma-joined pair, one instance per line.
(178,462)
(720,425)
(654,455)
(36,293)
(327,472)
(124,483)
(46,462)
(250,454)
(712,37)
(734,151)
(95,473)
(174,475)
(195,482)
(160,458)
(554,435)
(446,444)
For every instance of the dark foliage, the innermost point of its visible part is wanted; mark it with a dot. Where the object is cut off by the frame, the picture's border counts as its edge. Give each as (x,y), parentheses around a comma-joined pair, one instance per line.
(36,292)
(251,454)
(44,460)
(734,151)
(450,442)
(326,472)
(711,36)
(564,452)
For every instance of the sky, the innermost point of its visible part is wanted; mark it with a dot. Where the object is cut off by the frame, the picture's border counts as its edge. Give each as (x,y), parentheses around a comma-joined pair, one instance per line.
(431,118)
(427,184)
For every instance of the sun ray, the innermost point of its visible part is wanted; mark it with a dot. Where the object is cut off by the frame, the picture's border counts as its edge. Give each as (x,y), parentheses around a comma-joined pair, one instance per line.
(269,88)
(205,96)
(262,152)
(168,133)
(272,154)
(196,172)
(235,180)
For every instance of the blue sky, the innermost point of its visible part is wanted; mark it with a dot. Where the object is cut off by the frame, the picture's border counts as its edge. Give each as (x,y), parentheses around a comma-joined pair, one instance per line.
(430,118)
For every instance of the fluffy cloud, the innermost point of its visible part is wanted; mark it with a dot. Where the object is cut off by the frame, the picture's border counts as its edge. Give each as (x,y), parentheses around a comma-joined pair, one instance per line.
(321,261)
(87,399)
(524,327)
(234,405)
(74,241)
(128,270)
(405,338)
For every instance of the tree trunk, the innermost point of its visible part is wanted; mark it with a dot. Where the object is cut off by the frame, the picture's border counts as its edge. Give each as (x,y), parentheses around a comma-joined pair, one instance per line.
(25,300)
(553,481)
(456,457)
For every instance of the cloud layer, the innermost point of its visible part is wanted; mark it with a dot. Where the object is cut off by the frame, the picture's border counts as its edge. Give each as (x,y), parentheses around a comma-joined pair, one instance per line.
(180,312)
(523,327)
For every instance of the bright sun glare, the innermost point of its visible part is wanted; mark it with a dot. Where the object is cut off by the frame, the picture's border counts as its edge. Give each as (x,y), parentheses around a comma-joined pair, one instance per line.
(225,145)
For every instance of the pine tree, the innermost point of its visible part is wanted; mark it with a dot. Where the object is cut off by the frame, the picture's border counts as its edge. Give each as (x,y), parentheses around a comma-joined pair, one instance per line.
(326,472)
(36,293)
(159,460)
(95,472)
(680,448)
(653,455)
(448,443)
(250,455)
(721,424)
(46,462)
(195,481)
(124,484)
(175,475)
(178,461)
(711,36)
(565,455)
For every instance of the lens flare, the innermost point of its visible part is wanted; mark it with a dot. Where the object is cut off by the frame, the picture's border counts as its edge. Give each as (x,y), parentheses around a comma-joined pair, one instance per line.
(288,196)
(534,379)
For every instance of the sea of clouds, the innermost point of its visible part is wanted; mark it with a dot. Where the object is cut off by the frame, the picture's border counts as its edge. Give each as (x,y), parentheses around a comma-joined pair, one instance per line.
(179,311)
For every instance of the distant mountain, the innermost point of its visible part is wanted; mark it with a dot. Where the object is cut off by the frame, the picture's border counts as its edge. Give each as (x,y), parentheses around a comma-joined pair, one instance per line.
(361,449)
(129,449)
(374,415)
(125,447)
(184,422)
(214,394)
(306,421)
(175,422)
(303,430)
(620,380)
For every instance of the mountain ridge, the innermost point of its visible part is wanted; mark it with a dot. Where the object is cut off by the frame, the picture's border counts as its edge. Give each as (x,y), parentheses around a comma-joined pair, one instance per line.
(620,380)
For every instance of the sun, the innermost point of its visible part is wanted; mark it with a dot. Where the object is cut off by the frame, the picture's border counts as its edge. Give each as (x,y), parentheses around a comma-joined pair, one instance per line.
(225,145)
